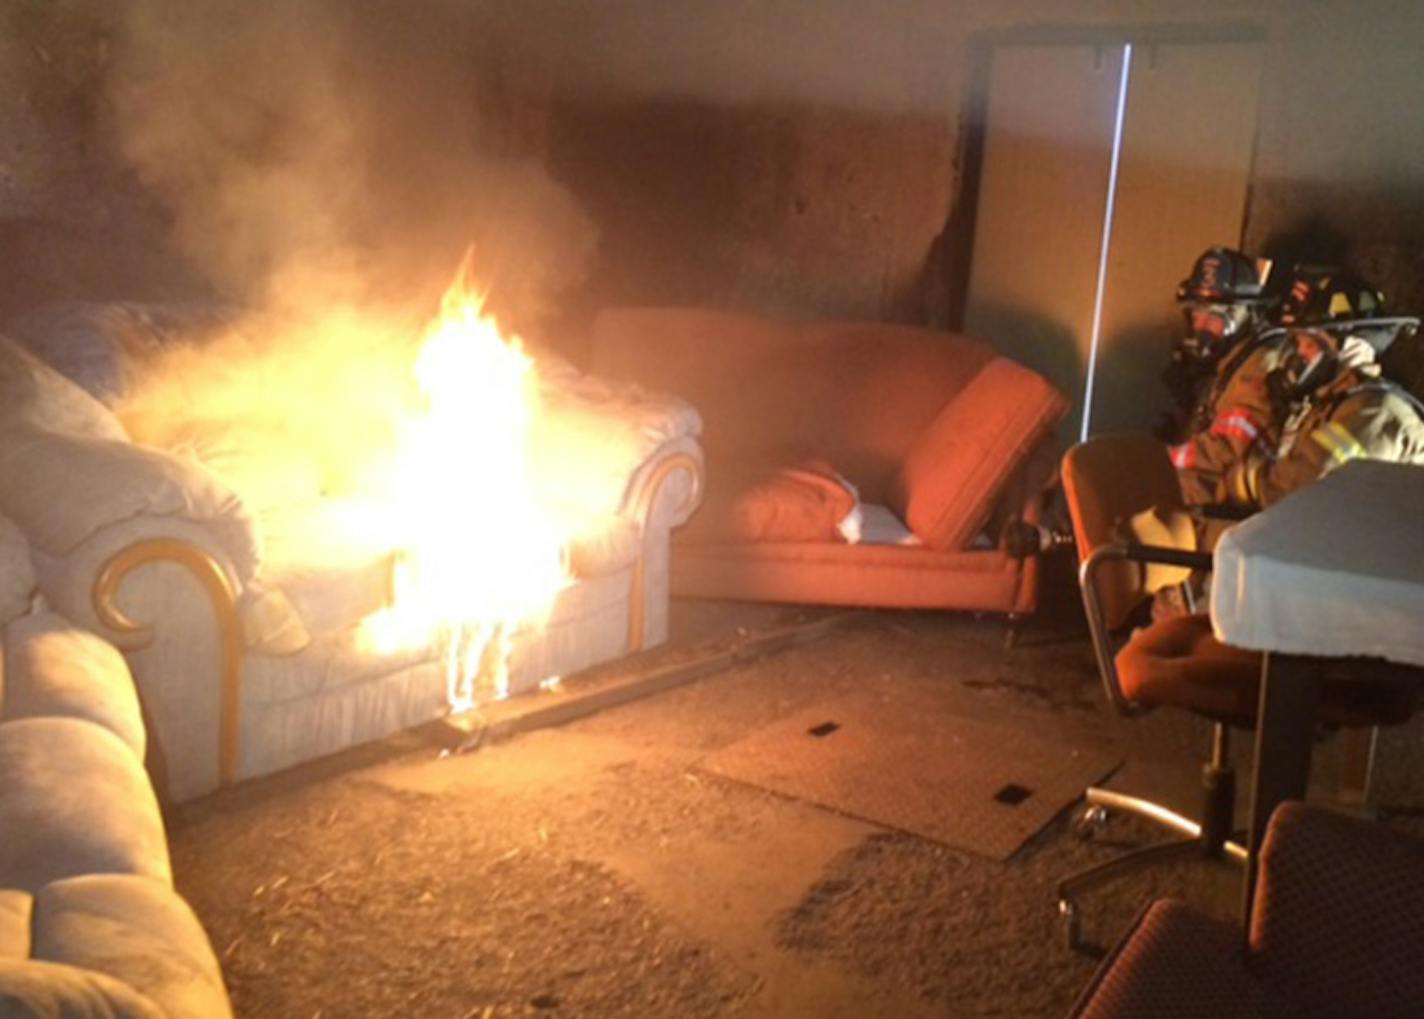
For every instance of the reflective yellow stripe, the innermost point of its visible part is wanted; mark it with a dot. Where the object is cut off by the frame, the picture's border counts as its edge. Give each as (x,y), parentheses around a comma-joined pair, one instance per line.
(1243,481)
(1252,481)
(1336,440)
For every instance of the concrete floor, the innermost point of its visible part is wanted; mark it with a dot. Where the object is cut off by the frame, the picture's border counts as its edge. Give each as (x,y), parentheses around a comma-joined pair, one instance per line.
(593,870)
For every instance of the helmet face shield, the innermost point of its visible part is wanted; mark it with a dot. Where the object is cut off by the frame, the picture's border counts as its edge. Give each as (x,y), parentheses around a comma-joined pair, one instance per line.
(1211,328)
(1218,299)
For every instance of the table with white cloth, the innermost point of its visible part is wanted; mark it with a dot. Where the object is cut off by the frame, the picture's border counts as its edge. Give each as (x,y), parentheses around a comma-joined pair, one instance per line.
(1334,570)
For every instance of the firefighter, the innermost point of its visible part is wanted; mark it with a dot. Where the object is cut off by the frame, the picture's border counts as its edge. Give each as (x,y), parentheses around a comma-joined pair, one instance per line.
(1346,409)
(1237,416)
(1222,300)
(1225,303)
(1239,419)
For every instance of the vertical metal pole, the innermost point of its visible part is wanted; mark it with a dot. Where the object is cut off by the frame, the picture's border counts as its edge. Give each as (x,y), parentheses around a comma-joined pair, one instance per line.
(1105,246)
(1360,745)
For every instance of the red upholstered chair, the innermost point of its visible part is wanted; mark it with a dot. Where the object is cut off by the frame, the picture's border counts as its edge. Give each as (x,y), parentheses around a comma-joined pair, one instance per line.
(1176,662)
(1337,930)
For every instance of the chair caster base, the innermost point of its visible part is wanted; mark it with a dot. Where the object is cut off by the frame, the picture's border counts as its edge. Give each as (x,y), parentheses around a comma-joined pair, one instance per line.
(1072,924)
(1089,822)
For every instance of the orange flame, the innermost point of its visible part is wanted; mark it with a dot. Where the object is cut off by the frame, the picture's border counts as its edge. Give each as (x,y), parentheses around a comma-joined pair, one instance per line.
(478,556)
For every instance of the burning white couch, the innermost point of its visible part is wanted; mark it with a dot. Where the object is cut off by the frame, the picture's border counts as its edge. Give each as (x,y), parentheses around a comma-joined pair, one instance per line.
(241,591)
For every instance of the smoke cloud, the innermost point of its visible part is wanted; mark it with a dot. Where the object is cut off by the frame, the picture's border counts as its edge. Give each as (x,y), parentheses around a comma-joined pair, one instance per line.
(326,164)
(341,151)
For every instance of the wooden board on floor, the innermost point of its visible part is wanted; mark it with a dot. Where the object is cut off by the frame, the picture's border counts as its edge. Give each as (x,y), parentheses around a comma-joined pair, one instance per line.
(978,786)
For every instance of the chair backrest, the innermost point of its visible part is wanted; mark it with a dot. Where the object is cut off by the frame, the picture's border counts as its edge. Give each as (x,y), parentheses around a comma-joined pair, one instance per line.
(1338,924)
(1107,480)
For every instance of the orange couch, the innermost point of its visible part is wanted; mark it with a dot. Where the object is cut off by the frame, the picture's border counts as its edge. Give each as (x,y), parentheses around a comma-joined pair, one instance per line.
(952,438)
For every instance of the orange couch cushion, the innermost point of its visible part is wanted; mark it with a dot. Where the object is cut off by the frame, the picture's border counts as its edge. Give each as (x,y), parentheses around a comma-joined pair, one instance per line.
(747,502)
(951,475)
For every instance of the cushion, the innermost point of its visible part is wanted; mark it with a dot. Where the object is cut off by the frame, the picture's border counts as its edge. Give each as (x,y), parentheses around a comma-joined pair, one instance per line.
(258,462)
(745,502)
(1178,661)
(271,624)
(101,345)
(952,473)
(330,560)
(53,669)
(136,930)
(49,991)
(34,394)
(74,801)
(17,572)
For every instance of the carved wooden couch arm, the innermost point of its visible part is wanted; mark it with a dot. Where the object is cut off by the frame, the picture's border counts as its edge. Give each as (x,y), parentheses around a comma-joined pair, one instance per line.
(657,502)
(223,599)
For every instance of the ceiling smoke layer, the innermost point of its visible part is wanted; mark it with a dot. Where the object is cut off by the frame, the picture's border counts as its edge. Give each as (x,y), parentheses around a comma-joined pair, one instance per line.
(803,156)
(334,151)
(895,57)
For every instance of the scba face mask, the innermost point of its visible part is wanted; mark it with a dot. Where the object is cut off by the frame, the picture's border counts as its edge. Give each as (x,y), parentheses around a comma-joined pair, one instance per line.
(1301,372)
(1211,330)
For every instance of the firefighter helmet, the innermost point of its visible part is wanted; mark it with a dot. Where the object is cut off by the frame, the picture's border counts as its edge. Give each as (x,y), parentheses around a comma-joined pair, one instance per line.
(1318,296)
(1224,276)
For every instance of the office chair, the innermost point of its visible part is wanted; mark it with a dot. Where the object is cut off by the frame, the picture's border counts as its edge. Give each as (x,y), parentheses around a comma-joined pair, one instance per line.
(1337,930)
(1175,662)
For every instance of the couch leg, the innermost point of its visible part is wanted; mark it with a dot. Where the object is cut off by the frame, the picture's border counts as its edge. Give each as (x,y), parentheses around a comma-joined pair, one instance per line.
(1012,623)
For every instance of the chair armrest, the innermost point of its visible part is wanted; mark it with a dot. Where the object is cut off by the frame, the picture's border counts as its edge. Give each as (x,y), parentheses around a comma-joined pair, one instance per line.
(1093,609)
(1338,922)
(1134,552)
(1224,511)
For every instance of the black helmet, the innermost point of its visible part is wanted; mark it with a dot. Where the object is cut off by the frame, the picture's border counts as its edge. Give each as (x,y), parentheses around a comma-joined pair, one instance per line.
(1318,296)
(1224,276)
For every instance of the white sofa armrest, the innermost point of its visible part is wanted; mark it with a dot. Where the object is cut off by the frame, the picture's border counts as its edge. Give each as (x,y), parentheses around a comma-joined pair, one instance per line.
(662,493)
(667,487)
(96,510)
(61,489)
(165,592)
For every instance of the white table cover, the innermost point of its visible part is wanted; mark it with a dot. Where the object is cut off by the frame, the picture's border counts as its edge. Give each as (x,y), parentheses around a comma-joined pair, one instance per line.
(1334,569)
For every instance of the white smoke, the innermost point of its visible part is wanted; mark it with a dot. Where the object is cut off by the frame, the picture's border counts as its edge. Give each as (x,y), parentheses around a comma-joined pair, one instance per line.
(326,164)
(344,150)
